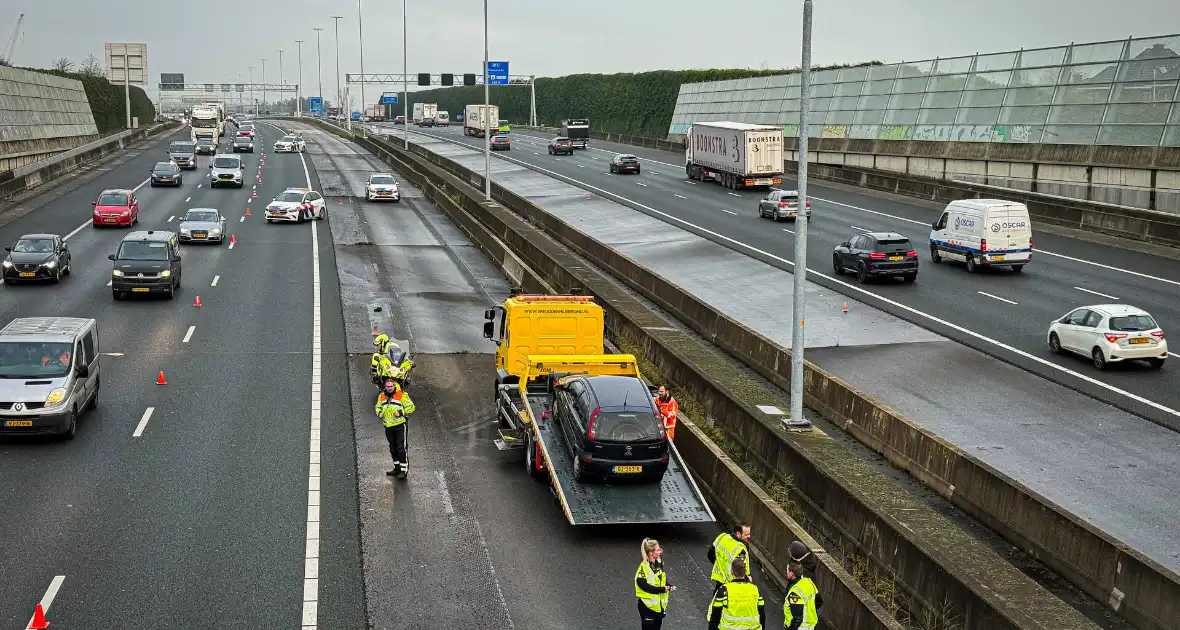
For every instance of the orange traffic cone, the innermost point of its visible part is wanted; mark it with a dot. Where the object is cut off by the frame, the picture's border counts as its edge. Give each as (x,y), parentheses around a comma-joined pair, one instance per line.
(39,621)
(247,212)
(254,195)
(845,309)
(197,302)
(160,379)
(375,333)
(233,240)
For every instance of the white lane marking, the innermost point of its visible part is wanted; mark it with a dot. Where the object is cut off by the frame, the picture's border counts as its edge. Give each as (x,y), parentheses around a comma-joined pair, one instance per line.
(215,279)
(311,581)
(690,182)
(593,158)
(49,596)
(169,220)
(147,415)
(641,184)
(680,196)
(859,228)
(243,219)
(734,194)
(188,335)
(188,199)
(790,231)
(995,297)
(730,212)
(77,229)
(110,282)
(580,166)
(851,287)
(231,244)
(199,185)
(1109,297)
(535,153)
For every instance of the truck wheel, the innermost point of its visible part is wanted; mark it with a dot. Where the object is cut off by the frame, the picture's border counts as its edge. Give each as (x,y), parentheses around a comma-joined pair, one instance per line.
(532,459)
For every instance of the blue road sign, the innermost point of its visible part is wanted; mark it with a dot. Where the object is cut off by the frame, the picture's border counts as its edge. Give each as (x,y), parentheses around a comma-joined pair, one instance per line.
(356,115)
(497,73)
(389,99)
(315,104)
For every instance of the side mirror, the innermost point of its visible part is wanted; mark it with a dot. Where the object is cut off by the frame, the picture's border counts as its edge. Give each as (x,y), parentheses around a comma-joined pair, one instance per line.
(489,329)
(176,259)
(489,314)
(934,225)
(82,371)
(110,256)
(846,244)
(8,249)
(210,166)
(94,203)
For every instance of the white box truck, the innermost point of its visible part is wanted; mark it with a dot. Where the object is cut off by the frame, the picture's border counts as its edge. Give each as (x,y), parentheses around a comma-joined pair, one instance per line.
(737,155)
(416,116)
(429,114)
(474,118)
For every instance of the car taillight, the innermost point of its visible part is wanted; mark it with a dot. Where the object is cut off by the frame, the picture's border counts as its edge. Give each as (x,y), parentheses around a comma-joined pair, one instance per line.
(1030,244)
(590,424)
(1113,337)
(911,254)
(783,204)
(808,204)
(983,245)
(877,256)
(1157,333)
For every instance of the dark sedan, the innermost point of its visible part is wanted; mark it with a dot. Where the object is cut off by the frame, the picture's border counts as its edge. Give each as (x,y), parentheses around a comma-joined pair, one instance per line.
(37,257)
(501,143)
(243,144)
(877,255)
(611,428)
(206,146)
(624,163)
(559,146)
(166,174)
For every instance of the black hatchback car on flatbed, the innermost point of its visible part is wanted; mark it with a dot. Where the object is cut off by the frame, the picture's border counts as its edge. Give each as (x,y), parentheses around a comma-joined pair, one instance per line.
(611,428)
(146,262)
(877,255)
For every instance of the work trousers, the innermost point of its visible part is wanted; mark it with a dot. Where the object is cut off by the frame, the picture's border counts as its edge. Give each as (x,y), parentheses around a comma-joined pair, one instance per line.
(396,436)
(649,619)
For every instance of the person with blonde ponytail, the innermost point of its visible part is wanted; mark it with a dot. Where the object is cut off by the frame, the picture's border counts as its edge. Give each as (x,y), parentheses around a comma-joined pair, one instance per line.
(651,585)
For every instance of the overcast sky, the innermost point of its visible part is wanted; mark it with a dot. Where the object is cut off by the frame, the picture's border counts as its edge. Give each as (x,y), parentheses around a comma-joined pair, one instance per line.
(556,37)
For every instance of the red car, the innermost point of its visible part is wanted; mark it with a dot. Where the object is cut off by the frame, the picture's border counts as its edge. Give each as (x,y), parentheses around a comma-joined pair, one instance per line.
(246,133)
(116,207)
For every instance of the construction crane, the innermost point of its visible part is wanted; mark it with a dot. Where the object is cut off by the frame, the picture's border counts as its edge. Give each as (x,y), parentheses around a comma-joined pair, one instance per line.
(6,56)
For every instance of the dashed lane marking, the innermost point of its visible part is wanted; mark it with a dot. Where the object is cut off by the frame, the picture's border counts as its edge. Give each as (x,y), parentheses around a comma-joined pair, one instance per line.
(143,421)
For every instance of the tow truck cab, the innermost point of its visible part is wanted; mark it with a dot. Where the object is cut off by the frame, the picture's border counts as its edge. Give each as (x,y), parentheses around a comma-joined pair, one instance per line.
(542,324)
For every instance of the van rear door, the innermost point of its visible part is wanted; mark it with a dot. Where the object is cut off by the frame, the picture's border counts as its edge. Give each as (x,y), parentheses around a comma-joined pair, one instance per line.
(1010,227)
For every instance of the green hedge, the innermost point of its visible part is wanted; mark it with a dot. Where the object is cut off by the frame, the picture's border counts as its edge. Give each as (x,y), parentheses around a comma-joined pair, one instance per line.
(637,104)
(106,101)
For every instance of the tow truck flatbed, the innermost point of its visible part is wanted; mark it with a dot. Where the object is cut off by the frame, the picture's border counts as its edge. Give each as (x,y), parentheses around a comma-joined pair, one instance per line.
(676,499)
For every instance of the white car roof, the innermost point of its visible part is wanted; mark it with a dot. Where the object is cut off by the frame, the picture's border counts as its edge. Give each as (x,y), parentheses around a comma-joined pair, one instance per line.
(1117,310)
(372,175)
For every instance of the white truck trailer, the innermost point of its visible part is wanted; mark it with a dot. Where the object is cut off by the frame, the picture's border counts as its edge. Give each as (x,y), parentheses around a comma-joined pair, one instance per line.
(737,155)
(429,115)
(416,114)
(206,123)
(475,116)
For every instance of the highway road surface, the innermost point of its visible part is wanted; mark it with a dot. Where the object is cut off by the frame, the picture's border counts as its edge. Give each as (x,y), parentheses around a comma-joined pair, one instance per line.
(1103,464)
(249,491)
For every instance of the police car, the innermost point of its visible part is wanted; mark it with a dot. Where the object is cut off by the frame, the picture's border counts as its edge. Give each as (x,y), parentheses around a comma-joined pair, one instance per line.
(296,205)
(290,144)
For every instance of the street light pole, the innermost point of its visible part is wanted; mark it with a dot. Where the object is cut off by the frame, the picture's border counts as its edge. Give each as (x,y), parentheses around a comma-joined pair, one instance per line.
(339,94)
(282,81)
(798,337)
(405,81)
(251,68)
(299,84)
(487,123)
(360,26)
(319,64)
(262,106)
(239,93)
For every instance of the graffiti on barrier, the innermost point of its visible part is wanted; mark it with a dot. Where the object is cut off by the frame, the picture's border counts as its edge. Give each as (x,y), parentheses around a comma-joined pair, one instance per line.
(835,131)
(895,132)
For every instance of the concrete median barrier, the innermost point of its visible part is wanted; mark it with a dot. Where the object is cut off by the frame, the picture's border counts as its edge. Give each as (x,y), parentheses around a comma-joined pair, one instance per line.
(843,501)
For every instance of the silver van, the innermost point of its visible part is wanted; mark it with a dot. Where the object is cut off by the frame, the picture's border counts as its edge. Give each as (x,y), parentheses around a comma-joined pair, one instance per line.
(49,374)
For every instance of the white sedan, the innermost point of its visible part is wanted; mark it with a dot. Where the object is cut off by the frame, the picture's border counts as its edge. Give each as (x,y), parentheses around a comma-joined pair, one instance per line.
(290,144)
(1110,333)
(382,186)
(296,205)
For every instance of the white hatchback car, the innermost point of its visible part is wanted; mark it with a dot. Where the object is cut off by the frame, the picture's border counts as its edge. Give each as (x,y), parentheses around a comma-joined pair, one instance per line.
(296,205)
(1110,333)
(382,186)
(290,144)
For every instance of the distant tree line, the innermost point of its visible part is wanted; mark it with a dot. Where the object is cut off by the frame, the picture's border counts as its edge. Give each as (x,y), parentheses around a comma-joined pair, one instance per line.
(639,104)
(106,100)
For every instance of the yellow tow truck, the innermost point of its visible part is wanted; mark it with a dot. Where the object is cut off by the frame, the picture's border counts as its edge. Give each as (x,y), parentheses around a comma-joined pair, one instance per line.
(549,357)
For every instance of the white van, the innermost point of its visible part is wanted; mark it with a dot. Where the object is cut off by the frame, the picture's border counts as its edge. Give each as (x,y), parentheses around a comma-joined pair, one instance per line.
(988,232)
(443,119)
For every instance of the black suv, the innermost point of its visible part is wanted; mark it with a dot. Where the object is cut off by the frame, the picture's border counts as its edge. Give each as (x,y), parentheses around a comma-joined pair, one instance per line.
(875,255)
(147,262)
(166,174)
(611,428)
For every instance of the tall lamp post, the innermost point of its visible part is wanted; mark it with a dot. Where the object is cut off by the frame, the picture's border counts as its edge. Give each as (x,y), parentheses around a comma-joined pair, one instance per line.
(282,81)
(339,94)
(487,132)
(798,336)
(251,68)
(262,105)
(405,81)
(319,64)
(360,26)
(299,84)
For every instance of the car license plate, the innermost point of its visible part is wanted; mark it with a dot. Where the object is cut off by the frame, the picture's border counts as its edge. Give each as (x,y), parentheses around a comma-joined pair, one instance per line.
(18,423)
(1140,340)
(199,234)
(997,257)
(896,257)
(165,179)
(139,290)
(110,220)
(628,469)
(28,274)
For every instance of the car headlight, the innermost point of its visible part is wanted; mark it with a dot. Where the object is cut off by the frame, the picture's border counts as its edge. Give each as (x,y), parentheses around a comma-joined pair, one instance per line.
(215,230)
(116,273)
(166,273)
(51,264)
(8,264)
(125,213)
(184,230)
(55,397)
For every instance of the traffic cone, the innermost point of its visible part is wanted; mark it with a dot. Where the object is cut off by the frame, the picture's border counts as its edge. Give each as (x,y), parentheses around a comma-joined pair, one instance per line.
(247,212)
(39,621)
(845,309)
(160,379)
(233,240)
(197,302)
(254,194)
(375,333)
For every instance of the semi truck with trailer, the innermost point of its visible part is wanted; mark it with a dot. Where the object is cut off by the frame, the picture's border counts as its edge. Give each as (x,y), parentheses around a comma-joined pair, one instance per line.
(545,344)
(736,155)
(474,117)
(206,123)
(578,131)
